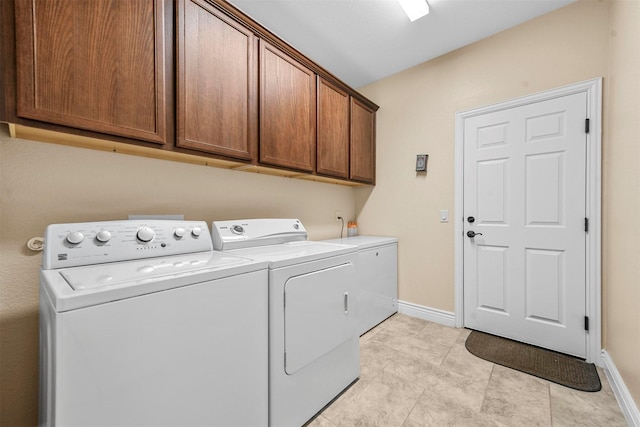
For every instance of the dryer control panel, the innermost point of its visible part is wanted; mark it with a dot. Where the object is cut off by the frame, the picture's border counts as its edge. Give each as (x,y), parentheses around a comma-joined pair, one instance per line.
(247,233)
(88,243)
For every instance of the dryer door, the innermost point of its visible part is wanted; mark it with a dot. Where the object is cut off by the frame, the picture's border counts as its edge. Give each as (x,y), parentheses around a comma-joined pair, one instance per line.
(319,314)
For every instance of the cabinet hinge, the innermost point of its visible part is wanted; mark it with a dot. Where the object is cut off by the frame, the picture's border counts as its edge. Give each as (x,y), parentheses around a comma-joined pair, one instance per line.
(586,323)
(586,125)
(586,225)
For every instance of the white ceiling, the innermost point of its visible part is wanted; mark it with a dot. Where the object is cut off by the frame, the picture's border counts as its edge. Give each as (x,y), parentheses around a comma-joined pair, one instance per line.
(361,41)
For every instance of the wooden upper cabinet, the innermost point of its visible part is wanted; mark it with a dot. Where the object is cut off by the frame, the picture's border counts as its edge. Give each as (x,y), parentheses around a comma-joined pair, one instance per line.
(333,130)
(192,76)
(217,85)
(287,111)
(98,65)
(363,147)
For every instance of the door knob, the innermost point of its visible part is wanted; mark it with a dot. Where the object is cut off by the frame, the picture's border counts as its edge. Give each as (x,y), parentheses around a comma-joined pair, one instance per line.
(473,234)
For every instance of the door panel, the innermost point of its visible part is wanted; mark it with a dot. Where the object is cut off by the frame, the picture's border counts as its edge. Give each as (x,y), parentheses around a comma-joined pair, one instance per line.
(491,181)
(544,201)
(524,182)
(545,126)
(492,278)
(318,314)
(545,285)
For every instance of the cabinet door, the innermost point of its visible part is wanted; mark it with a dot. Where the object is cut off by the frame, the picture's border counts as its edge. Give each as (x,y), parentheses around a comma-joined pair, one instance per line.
(363,147)
(287,111)
(217,82)
(333,130)
(97,65)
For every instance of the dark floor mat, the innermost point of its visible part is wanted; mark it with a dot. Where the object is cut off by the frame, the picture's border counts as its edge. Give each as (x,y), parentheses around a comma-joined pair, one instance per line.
(556,367)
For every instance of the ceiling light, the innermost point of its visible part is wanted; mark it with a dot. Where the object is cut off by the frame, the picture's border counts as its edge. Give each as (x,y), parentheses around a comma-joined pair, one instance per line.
(414,8)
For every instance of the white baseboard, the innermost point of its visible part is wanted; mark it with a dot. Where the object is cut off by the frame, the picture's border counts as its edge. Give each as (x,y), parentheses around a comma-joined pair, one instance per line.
(445,318)
(625,400)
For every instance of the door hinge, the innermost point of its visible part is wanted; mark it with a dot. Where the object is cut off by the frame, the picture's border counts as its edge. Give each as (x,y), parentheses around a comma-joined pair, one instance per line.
(586,125)
(586,323)
(586,225)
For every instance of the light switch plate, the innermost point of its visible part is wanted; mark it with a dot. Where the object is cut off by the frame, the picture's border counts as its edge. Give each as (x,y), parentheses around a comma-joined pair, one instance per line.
(444,215)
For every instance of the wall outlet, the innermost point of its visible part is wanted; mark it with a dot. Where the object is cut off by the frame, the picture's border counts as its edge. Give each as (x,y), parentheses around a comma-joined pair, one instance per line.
(339,215)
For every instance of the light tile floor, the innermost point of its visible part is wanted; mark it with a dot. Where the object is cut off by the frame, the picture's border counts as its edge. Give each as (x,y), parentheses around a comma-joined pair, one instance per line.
(418,373)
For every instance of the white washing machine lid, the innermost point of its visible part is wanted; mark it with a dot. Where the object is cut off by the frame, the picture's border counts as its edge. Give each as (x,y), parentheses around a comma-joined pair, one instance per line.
(365,242)
(77,287)
(291,253)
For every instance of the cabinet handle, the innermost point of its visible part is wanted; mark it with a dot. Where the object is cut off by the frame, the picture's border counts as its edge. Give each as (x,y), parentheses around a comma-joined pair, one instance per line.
(346,302)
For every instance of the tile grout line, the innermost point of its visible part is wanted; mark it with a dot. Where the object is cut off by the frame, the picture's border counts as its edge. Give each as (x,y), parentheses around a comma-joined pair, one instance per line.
(550,406)
(484,396)
(450,348)
(409,417)
(413,407)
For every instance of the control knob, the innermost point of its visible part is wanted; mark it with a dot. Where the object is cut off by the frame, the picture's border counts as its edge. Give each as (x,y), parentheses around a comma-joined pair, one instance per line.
(196,231)
(179,232)
(145,234)
(103,236)
(75,237)
(237,229)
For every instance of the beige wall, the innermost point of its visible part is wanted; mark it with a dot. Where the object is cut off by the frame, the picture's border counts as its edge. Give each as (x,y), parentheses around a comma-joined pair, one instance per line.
(417,116)
(621,195)
(45,183)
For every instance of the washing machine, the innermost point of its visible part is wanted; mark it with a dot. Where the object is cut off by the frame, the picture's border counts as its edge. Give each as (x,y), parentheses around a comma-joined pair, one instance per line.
(313,339)
(143,324)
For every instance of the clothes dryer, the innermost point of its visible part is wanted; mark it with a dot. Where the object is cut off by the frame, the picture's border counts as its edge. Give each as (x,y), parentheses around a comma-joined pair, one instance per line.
(313,339)
(377,278)
(141,323)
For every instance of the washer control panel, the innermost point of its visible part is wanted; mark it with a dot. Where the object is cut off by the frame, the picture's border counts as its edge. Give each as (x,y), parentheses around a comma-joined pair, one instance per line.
(244,233)
(87,243)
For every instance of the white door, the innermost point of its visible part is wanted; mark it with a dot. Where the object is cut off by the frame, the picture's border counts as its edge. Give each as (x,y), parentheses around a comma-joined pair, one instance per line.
(524,193)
